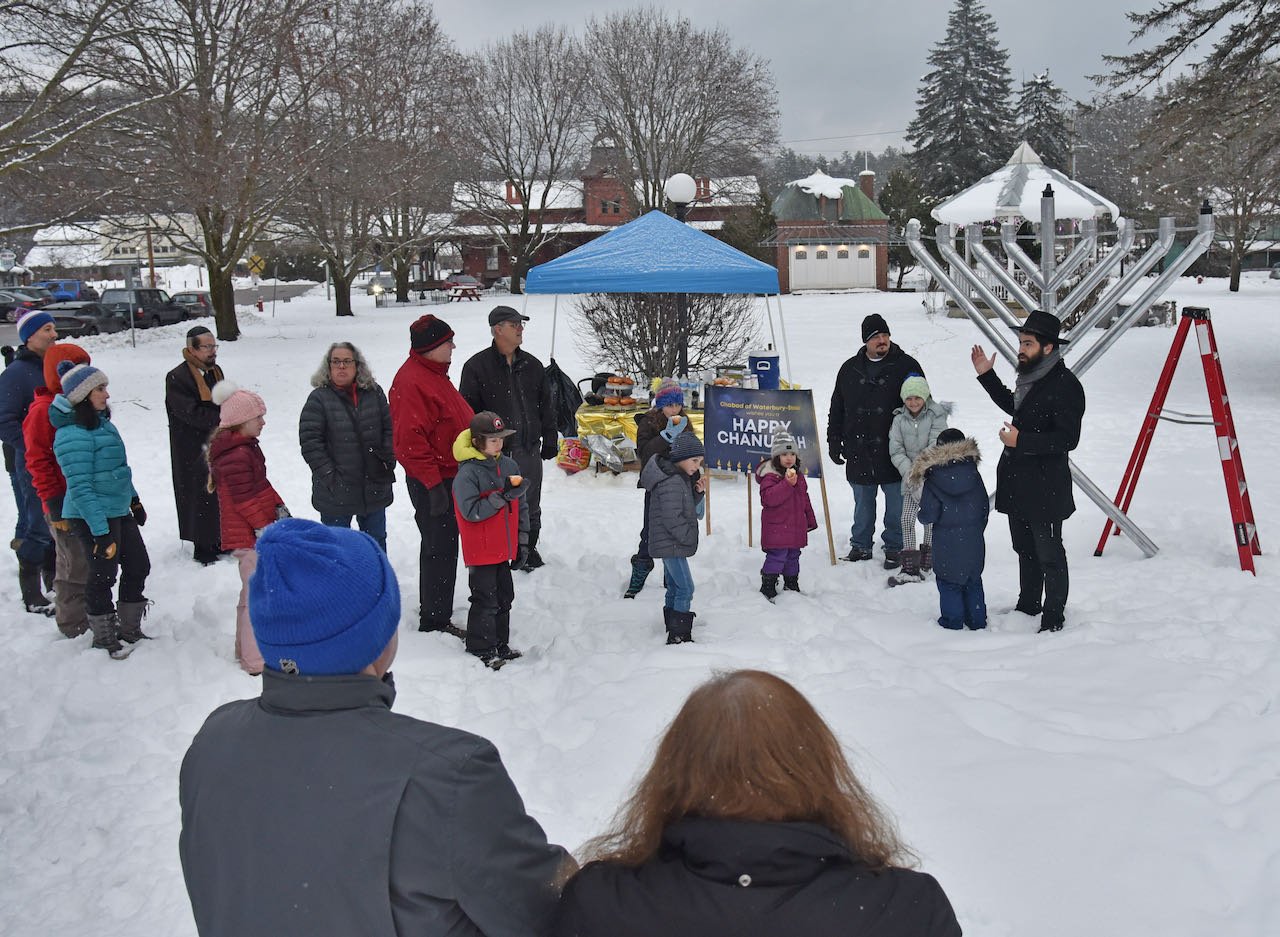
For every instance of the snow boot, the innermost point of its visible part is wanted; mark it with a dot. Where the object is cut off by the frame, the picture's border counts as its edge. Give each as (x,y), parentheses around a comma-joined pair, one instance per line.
(1050,625)
(35,601)
(856,555)
(48,571)
(892,559)
(791,583)
(507,652)
(679,627)
(769,585)
(106,635)
(639,573)
(130,615)
(534,560)
(910,571)
(926,558)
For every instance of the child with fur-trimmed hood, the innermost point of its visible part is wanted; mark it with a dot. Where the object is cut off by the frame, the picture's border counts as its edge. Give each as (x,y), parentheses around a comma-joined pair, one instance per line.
(786,516)
(916,425)
(954,500)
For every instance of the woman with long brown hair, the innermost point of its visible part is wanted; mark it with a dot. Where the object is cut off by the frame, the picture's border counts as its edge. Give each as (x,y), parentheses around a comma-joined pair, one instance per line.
(751,822)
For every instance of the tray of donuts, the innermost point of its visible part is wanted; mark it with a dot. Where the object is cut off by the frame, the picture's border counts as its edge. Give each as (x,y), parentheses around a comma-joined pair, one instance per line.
(618,393)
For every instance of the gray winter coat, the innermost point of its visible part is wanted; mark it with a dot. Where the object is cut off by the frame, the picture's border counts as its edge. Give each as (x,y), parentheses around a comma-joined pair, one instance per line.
(314,810)
(674,509)
(350,473)
(911,435)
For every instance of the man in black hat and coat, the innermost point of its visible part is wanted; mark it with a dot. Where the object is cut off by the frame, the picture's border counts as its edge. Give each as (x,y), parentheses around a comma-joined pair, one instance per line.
(868,390)
(512,383)
(1033,477)
(192,417)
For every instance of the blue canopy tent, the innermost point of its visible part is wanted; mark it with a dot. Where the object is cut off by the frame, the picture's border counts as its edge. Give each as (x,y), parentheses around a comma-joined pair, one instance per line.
(657,254)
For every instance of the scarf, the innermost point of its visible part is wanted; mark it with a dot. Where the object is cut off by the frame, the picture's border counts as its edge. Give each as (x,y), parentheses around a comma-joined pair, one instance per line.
(198,374)
(1027,378)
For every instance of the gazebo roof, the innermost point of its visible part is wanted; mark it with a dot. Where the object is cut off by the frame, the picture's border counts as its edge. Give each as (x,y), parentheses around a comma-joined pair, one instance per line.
(1013,192)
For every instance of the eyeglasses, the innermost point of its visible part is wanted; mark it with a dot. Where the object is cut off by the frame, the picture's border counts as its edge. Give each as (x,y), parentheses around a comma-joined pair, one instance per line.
(342,362)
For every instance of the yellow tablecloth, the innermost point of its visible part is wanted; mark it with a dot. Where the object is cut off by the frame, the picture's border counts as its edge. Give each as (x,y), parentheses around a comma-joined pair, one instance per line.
(609,422)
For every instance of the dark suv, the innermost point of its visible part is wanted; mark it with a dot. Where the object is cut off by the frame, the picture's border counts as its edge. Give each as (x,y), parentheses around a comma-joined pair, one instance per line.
(149,306)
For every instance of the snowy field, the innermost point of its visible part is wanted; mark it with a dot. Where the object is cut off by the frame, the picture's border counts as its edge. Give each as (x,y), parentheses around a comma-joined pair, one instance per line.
(1119,778)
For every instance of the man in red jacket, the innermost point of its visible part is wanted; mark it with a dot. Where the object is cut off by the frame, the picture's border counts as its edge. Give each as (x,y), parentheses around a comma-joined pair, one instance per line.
(427,414)
(72,568)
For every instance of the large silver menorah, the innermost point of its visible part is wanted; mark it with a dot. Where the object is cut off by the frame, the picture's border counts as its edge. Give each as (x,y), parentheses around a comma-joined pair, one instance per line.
(1043,283)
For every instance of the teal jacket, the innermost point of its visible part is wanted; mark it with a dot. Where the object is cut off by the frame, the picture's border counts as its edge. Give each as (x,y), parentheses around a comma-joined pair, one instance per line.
(99,481)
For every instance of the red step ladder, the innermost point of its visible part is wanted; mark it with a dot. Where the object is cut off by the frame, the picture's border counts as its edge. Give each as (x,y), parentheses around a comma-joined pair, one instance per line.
(1219,417)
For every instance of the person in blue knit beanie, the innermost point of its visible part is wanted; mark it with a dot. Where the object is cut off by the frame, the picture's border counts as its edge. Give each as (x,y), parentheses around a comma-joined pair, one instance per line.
(315,807)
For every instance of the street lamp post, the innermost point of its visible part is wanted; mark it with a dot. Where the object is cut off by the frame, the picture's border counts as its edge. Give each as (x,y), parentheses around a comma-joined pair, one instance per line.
(681,190)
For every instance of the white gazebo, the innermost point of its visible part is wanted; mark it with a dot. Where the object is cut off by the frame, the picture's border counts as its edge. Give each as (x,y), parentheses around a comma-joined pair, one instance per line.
(1013,192)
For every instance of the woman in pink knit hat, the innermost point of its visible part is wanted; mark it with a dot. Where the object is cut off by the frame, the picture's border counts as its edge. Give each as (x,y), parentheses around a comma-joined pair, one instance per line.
(246,500)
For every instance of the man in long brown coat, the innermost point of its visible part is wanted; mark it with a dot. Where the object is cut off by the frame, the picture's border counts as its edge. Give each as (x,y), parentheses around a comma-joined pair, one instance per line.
(192,417)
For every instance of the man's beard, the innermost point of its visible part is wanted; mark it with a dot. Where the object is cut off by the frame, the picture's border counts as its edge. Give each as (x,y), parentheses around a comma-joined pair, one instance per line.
(1026,362)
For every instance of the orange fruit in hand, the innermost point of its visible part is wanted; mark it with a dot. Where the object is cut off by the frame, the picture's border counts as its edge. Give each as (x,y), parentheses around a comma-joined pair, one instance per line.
(516,479)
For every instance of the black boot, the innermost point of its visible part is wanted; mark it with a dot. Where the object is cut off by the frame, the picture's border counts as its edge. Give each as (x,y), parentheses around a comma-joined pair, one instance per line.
(791,583)
(48,572)
(29,581)
(910,571)
(130,615)
(926,558)
(681,628)
(535,560)
(891,559)
(639,573)
(769,585)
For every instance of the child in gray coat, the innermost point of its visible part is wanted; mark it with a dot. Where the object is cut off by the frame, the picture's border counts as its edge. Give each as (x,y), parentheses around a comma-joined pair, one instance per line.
(915,428)
(676,489)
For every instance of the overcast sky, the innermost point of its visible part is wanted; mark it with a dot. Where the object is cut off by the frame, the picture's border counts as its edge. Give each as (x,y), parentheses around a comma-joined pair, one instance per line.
(847,70)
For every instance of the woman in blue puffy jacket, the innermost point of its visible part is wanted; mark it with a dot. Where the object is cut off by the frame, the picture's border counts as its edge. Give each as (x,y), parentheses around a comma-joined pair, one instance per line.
(101,506)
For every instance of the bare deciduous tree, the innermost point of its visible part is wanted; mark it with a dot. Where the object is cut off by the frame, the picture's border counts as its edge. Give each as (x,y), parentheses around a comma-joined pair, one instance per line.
(526,116)
(677,99)
(219,148)
(637,332)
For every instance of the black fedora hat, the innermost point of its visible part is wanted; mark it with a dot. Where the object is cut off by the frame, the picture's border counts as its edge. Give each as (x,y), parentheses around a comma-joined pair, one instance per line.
(1043,325)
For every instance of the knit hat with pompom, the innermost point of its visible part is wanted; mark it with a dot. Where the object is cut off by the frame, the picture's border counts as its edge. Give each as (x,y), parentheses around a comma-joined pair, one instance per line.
(235,404)
(79,379)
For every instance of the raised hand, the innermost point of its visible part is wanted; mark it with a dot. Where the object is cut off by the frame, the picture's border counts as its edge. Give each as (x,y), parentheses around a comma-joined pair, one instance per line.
(982,362)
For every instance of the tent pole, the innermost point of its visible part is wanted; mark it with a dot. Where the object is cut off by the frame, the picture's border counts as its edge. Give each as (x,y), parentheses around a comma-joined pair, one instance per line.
(555,316)
(782,327)
(773,337)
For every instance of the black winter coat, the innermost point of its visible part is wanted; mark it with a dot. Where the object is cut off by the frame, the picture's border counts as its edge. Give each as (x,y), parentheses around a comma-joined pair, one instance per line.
(1033,480)
(351,473)
(954,500)
(517,392)
(737,878)
(191,420)
(316,810)
(862,405)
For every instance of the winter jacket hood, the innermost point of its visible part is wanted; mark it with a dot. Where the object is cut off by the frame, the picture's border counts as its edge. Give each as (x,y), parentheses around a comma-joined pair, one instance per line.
(954,500)
(942,454)
(721,877)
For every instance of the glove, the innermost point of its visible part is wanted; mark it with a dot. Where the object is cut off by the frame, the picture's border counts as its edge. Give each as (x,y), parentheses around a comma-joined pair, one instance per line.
(104,547)
(522,557)
(438,501)
(550,448)
(139,512)
(282,512)
(837,456)
(54,515)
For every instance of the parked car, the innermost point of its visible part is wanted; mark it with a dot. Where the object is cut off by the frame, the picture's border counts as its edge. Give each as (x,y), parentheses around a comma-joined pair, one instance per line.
(462,280)
(42,296)
(69,290)
(78,319)
(148,306)
(196,302)
(14,304)
(380,283)
(1275,272)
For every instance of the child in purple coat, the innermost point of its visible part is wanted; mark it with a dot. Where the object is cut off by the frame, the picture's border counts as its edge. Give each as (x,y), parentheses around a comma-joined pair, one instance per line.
(786,516)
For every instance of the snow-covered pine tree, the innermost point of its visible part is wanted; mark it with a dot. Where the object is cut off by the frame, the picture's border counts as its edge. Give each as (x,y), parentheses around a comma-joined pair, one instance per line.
(962,128)
(1042,121)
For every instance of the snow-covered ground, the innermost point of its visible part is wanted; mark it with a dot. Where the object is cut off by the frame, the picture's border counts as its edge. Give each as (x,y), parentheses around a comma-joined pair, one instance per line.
(1119,778)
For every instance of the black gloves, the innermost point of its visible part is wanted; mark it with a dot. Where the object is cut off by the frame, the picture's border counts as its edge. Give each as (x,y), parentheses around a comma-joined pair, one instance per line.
(550,448)
(837,456)
(139,512)
(438,500)
(522,557)
(104,546)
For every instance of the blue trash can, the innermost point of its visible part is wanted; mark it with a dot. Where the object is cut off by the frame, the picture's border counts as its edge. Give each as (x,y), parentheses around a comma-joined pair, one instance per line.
(764,364)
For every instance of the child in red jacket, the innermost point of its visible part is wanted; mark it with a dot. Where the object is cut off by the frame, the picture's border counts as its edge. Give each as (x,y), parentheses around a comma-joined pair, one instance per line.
(786,516)
(495,533)
(246,500)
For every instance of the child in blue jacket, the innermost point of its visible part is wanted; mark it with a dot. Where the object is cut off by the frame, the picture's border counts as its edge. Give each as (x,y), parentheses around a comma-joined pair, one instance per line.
(954,501)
